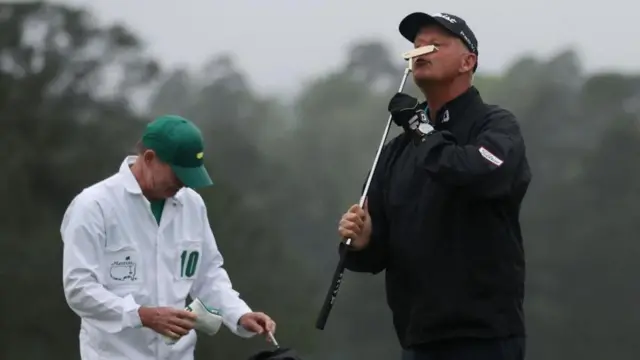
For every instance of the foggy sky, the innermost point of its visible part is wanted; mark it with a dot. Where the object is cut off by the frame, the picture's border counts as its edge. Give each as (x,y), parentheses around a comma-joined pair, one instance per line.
(280,43)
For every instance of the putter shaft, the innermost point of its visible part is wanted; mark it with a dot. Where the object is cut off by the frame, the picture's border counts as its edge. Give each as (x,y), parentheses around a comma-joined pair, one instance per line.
(336,281)
(365,191)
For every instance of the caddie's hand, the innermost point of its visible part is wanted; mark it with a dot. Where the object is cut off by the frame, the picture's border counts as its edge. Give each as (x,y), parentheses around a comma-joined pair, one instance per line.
(356,225)
(167,321)
(258,322)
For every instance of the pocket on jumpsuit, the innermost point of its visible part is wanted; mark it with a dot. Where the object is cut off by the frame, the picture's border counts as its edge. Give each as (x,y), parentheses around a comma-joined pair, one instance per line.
(123,269)
(187,263)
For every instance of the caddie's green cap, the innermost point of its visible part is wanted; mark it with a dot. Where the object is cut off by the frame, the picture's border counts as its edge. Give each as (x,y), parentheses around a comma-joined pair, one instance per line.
(178,142)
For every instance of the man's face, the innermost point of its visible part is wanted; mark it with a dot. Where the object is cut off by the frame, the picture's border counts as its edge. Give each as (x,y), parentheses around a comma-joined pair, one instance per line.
(160,179)
(450,60)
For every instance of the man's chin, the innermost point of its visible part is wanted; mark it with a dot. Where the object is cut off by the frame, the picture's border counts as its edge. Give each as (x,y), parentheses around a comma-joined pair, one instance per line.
(423,78)
(422,70)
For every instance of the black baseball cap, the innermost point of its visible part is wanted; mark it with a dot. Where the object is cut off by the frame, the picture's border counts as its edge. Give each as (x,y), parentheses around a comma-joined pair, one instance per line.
(412,23)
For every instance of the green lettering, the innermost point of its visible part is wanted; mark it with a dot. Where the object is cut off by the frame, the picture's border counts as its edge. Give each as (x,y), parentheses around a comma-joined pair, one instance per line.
(188,263)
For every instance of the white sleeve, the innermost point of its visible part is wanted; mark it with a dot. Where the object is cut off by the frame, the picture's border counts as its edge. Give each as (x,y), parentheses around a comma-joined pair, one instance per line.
(214,288)
(83,236)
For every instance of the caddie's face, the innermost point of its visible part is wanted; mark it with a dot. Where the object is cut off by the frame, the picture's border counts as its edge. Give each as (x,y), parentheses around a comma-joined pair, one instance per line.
(162,181)
(450,60)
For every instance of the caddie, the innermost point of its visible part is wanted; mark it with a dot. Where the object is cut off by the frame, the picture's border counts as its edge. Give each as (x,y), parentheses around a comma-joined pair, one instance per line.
(138,243)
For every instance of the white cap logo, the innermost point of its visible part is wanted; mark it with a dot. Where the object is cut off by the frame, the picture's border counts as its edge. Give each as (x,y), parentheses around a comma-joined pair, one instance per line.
(446,17)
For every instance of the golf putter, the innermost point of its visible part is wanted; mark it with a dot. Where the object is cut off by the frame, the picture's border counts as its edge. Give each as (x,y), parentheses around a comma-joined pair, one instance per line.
(411,54)
(336,281)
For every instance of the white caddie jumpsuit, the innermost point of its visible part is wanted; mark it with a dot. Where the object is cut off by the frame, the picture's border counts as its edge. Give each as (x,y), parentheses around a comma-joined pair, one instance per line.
(117,258)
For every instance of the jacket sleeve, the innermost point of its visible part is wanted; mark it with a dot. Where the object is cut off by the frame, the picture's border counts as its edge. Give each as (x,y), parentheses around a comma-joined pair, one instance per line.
(486,167)
(373,258)
(83,234)
(213,285)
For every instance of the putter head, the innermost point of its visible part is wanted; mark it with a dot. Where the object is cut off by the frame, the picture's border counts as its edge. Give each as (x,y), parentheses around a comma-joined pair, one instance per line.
(412,54)
(409,55)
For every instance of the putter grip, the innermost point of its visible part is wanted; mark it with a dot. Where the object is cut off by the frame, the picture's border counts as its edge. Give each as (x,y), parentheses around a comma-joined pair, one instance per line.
(332,293)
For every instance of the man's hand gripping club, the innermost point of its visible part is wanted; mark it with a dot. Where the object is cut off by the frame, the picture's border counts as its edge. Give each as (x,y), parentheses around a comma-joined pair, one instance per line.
(356,225)
(406,112)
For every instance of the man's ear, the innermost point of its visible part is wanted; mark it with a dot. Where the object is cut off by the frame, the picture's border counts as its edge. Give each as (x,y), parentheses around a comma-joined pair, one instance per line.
(468,62)
(148,155)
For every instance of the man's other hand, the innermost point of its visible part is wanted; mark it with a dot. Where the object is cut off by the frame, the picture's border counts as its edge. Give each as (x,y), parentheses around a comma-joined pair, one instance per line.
(257,322)
(167,321)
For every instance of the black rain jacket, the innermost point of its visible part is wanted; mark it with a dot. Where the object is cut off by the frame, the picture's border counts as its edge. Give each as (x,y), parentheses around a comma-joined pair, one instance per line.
(445,226)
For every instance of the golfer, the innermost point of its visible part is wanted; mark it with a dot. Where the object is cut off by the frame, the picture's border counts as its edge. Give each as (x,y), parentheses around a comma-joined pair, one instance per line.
(442,213)
(137,243)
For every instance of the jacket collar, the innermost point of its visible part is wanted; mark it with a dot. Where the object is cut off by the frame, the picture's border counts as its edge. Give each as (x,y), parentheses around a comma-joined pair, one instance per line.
(457,107)
(130,182)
